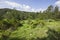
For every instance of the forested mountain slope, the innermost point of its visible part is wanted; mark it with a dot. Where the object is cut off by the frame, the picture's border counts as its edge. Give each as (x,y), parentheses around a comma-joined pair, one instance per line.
(21,25)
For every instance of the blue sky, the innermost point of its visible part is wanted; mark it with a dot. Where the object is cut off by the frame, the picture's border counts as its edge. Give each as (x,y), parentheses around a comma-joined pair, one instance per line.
(28,5)
(37,3)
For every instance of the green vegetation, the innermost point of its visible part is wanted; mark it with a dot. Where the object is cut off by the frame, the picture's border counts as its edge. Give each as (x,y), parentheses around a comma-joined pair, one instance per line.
(20,25)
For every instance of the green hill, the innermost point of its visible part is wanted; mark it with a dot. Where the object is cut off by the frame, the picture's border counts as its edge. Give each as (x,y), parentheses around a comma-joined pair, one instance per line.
(21,25)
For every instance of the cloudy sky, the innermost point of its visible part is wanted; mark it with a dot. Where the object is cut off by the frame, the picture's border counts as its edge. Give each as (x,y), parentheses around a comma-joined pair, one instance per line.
(28,5)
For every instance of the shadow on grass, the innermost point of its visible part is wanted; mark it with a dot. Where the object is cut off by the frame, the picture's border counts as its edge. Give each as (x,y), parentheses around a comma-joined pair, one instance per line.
(16,38)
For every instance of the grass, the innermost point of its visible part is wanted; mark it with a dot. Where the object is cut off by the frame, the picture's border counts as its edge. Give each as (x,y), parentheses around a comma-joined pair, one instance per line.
(35,29)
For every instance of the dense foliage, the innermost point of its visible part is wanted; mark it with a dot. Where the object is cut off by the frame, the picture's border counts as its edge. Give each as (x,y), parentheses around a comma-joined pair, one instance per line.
(21,25)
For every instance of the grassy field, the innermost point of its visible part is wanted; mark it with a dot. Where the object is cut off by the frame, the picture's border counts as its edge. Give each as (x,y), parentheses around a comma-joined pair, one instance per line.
(37,30)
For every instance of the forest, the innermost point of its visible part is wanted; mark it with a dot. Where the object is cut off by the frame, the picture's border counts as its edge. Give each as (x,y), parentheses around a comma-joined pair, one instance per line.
(21,25)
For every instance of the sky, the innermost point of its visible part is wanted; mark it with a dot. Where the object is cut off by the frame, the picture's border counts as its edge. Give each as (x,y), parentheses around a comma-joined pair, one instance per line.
(29,5)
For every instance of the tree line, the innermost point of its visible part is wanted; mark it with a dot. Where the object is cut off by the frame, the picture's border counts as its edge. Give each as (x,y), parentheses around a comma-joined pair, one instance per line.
(50,13)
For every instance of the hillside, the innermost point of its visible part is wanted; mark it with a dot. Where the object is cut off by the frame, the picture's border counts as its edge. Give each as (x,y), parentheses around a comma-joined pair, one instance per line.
(21,25)
(22,15)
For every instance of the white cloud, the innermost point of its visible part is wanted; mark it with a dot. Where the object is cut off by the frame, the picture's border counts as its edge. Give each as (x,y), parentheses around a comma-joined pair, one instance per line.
(26,7)
(57,3)
(18,6)
(38,10)
(13,4)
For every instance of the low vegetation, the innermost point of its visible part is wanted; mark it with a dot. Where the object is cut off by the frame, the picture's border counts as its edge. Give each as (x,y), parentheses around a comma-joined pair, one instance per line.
(20,25)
